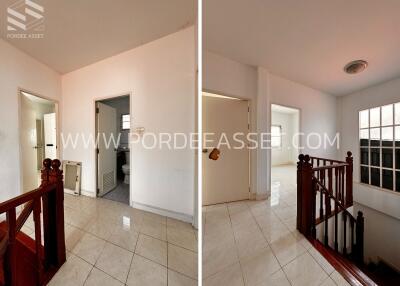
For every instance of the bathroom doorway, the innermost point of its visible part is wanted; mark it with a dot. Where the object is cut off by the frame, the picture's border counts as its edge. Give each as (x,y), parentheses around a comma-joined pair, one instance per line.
(113,123)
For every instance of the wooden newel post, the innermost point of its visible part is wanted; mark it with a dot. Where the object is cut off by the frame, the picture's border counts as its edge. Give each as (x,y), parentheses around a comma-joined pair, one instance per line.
(53,216)
(299,191)
(304,195)
(360,237)
(349,179)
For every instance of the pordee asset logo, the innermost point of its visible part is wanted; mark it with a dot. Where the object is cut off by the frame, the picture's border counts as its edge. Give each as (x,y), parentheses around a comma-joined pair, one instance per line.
(25,20)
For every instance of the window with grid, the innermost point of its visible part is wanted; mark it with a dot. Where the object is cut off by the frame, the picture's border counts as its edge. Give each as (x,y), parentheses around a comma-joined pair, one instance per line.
(276,136)
(125,122)
(380,146)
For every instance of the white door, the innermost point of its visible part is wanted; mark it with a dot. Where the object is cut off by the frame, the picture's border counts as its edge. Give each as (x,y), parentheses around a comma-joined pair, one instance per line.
(28,146)
(225,179)
(50,136)
(107,151)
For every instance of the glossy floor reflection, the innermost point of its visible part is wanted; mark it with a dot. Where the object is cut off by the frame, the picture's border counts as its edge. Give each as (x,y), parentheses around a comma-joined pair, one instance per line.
(256,243)
(109,243)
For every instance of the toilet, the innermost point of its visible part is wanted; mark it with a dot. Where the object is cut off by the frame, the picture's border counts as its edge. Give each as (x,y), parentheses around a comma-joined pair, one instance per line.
(126,169)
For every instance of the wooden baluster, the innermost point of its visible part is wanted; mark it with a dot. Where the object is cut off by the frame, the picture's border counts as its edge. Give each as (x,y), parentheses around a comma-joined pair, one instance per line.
(344,233)
(360,237)
(38,238)
(326,241)
(313,203)
(10,261)
(342,181)
(352,235)
(321,206)
(349,180)
(328,200)
(336,210)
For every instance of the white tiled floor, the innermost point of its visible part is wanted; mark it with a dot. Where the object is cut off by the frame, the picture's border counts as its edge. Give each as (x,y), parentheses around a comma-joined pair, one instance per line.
(109,243)
(255,243)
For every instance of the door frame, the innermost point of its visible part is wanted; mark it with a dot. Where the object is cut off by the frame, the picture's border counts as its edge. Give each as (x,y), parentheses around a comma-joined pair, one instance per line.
(298,128)
(94,115)
(251,153)
(57,112)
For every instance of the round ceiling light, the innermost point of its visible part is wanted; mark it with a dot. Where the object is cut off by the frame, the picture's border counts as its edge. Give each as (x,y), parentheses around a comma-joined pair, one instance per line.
(356,66)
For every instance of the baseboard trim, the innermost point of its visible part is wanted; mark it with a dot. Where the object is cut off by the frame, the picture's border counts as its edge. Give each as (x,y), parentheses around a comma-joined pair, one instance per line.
(163,212)
(88,194)
(262,197)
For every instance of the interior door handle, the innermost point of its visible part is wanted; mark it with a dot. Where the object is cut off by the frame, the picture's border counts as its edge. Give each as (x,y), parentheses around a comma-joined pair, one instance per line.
(205,150)
(214,154)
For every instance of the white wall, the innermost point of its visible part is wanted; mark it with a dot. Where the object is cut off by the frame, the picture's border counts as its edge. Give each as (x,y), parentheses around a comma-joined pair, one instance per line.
(317,113)
(381,236)
(18,70)
(286,154)
(161,79)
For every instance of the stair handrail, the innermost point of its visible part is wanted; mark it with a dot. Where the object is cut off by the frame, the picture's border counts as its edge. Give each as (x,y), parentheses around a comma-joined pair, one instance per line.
(49,199)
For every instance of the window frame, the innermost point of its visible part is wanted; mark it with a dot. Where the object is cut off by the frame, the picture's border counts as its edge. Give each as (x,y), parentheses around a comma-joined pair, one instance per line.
(381,147)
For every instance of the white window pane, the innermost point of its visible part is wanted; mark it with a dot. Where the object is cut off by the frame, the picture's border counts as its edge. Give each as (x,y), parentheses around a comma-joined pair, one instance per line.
(387,115)
(126,125)
(364,134)
(364,121)
(397,113)
(275,141)
(375,117)
(275,130)
(375,134)
(387,133)
(397,133)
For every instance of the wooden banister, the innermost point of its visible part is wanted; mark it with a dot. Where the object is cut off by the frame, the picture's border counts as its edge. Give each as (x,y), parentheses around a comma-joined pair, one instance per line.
(49,199)
(332,181)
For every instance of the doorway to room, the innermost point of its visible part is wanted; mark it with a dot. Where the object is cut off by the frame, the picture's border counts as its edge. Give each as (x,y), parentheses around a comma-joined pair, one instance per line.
(113,125)
(285,125)
(38,129)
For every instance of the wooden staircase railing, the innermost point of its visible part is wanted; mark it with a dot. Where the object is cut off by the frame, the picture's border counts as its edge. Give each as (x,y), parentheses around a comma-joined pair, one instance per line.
(49,256)
(324,196)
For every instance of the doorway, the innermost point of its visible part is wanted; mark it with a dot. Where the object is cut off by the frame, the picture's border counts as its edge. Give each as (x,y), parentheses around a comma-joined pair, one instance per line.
(285,125)
(226,178)
(38,135)
(113,125)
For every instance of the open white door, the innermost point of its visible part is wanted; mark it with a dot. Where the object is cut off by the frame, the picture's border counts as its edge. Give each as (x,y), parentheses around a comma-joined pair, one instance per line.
(107,152)
(226,179)
(28,145)
(50,136)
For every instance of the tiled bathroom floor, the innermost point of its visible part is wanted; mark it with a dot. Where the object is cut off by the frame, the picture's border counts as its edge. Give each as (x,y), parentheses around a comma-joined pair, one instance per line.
(109,243)
(255,243)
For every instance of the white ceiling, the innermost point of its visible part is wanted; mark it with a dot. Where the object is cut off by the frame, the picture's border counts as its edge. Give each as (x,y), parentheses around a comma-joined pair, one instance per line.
(78,33)
(309,41)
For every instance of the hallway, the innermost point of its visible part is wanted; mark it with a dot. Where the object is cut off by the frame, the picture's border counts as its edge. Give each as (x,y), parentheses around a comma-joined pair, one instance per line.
(256,243)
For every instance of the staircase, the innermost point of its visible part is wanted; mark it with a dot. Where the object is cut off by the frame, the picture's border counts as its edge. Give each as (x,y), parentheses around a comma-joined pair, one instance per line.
(325,216)
(25,261)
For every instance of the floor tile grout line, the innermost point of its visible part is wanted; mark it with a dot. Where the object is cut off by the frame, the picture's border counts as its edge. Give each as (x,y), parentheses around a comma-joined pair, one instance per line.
(237,252)
(270,246)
